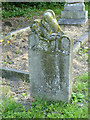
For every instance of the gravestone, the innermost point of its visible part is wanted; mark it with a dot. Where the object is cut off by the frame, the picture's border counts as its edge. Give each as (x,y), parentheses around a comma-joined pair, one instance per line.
(50,60)
(74,13)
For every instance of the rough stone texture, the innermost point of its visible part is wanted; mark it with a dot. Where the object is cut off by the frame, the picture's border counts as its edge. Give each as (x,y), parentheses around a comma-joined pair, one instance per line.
(75,7)
(74,1)
(50,60)
(72,21)
(74,14)
(74,11)
(14,74)
(80,42)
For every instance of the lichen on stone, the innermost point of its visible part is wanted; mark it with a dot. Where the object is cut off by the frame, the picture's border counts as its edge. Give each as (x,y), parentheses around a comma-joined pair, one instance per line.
(47,29)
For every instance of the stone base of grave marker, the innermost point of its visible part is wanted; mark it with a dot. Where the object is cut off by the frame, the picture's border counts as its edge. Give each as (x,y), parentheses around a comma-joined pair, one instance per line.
(72,21)
(74,13)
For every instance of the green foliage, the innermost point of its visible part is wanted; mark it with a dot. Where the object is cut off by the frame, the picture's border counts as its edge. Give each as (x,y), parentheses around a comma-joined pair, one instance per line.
(83,50)
(17,52)
(87,7)
(81,88)
(13,9)
(76,108)
(4,62)
(33,4)
(18,9)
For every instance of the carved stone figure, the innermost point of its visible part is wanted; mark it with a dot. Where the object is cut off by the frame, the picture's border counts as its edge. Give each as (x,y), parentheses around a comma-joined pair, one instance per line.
(47,29)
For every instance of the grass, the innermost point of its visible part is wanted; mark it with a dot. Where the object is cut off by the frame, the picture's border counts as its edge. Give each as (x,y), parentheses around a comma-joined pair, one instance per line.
(76,108)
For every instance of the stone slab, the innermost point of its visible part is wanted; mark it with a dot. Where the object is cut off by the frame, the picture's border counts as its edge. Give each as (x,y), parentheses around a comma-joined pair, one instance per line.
(50,72)
(72,21)
(14,33)
(80,42)
(74,1)
(13,74)
(74,14)
(73,7)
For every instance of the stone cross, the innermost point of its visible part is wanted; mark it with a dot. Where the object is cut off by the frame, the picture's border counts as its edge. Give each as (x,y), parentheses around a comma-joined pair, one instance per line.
(50,60)
(74,13)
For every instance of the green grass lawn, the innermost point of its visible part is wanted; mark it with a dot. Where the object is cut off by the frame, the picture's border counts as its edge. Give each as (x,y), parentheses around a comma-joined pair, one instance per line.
(76,108)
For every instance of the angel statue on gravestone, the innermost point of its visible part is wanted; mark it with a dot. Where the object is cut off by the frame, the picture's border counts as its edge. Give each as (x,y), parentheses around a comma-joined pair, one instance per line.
(47,28)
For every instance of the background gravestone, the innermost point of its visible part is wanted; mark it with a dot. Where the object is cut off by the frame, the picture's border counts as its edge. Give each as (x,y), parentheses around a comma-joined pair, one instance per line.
(74,13)
(50,60)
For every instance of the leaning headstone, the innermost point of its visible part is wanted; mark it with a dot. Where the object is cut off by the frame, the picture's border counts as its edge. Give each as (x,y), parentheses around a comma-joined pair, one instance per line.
(74,13)
(50,60)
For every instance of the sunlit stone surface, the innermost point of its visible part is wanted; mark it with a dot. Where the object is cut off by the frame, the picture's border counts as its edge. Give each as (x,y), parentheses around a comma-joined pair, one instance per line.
(50,60)
(74,13)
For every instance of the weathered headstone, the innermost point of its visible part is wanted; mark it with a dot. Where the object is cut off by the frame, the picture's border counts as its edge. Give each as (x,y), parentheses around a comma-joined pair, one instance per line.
(50,60)
(74,13)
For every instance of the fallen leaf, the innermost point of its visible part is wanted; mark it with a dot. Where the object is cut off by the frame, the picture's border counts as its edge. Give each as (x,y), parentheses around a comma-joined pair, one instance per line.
(1,40)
